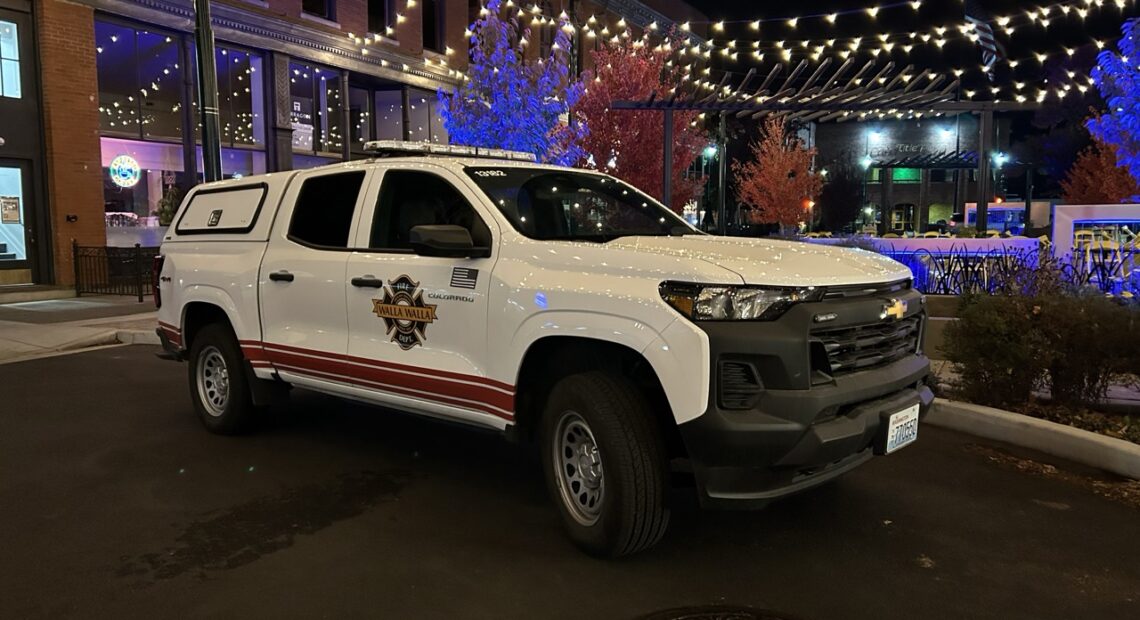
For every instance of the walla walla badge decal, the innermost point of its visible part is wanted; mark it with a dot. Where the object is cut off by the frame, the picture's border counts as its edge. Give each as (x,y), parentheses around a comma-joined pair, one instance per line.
(404,312)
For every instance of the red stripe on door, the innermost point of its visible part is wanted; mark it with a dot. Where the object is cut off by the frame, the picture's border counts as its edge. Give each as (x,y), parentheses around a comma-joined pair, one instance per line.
(396,389)
(427,385)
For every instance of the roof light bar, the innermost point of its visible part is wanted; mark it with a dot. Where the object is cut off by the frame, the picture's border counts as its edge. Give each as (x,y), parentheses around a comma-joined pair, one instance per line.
(400,147)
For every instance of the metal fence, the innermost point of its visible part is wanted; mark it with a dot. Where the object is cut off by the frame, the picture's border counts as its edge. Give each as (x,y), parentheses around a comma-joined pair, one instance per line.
(113,271)
(958,271)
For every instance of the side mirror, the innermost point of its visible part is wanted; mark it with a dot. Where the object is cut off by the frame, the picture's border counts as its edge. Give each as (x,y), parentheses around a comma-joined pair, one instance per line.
(445,240)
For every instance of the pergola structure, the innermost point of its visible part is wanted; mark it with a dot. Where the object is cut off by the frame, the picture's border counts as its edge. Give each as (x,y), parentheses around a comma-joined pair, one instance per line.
(822,94)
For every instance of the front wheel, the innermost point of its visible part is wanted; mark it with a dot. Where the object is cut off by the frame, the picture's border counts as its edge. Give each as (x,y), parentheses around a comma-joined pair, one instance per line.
(219,387)
(605,466)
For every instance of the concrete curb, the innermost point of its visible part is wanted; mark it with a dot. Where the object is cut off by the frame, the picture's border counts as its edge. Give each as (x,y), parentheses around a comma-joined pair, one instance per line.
(137,336)
(1107,453)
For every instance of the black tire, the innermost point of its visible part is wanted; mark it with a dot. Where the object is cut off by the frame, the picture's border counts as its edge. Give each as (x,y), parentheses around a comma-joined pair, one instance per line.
(629,514)
(216,349)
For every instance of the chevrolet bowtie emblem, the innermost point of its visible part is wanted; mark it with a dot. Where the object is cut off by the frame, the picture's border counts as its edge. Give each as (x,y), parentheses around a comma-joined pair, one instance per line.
(895,309)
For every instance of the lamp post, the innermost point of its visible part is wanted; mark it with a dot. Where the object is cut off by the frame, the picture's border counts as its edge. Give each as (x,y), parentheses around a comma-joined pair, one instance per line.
(207,91)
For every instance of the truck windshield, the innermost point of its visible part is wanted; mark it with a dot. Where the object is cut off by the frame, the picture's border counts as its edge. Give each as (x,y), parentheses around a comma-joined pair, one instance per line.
(567,205)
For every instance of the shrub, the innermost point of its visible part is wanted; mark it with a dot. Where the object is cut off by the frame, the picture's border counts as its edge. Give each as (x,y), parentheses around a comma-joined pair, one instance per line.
(998,352)
(1089,341)
(1006,346)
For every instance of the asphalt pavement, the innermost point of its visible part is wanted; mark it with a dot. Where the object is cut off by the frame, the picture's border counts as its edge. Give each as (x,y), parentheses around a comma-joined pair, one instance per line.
(114,502)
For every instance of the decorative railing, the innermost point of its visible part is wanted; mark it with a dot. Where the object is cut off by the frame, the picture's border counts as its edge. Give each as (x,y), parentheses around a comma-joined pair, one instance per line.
(113,271)
(956,267)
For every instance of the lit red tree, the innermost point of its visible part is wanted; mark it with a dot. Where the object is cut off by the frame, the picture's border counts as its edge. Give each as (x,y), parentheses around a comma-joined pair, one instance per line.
(778,180)
(1096,178)
(627,143)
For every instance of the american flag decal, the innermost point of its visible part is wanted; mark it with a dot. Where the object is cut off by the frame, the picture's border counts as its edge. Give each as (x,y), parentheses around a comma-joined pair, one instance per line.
(463,277)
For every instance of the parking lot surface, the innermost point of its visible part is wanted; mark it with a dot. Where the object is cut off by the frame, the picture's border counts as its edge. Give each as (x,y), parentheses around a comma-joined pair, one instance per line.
(114,502)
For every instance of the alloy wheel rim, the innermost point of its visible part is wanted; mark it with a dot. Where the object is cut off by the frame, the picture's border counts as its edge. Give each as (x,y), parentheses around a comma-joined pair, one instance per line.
(213,381)
(579,470)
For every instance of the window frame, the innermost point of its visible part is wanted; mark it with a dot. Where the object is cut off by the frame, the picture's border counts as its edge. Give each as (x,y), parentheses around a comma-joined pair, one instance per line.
(457,182)
(438,26)
(19,65)
(318,132)
(330,11)
(266,93)
(361,200)
(389,17)
(185,62)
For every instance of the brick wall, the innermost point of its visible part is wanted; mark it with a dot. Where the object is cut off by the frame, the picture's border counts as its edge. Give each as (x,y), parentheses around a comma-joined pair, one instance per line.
(455,14)
(352,15)
(71,128)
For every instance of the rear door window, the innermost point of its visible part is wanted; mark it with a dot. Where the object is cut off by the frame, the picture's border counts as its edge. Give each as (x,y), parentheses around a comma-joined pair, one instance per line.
(322,217)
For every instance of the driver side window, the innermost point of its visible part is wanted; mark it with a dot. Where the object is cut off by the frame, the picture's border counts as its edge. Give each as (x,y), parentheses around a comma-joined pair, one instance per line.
(410,198)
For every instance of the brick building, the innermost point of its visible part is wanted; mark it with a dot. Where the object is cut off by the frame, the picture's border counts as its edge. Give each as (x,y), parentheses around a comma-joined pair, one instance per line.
(99,130)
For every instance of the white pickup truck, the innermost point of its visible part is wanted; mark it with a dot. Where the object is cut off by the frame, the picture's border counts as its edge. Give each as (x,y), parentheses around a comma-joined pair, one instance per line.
(555,305)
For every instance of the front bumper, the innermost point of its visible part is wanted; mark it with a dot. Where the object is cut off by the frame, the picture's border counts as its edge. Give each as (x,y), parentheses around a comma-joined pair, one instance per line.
(804,427)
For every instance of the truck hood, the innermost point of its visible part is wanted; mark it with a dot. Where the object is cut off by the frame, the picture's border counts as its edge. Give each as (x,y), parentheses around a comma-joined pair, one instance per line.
(773,262)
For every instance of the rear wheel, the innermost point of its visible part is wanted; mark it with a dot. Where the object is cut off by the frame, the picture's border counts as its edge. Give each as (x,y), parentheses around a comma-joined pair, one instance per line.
(219,387)
(604,461)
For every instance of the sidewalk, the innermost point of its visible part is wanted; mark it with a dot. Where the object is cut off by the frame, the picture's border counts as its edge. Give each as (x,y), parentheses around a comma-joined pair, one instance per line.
(33,329)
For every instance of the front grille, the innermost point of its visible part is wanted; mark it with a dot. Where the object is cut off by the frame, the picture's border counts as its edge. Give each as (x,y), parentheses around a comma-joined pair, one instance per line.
(867,346)
(866,290)
(739,385)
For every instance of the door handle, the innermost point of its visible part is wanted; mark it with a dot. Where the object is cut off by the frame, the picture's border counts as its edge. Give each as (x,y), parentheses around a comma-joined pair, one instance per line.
(367,282)
(281,276)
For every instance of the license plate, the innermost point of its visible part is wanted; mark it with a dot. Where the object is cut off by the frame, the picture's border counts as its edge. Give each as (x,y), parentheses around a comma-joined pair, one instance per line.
(902,428)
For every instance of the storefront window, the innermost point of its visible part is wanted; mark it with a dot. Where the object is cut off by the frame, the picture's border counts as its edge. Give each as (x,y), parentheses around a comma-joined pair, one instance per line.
(241,97)
(389,114)
(360,116)
(141,189)
(9,61)
(426,123)
(316,109)
(236,163)
(140,79)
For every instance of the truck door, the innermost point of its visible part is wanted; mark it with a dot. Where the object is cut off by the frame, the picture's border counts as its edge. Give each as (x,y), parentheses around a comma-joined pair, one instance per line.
(417,324)
(302,278)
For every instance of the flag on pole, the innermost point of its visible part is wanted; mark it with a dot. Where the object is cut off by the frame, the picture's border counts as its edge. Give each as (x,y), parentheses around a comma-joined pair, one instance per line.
(977,17)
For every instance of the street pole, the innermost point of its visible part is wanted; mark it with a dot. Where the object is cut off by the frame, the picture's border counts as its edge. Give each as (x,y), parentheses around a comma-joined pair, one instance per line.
(721,184)
(1028,197)
(667,161)
(207,91)
(985,148)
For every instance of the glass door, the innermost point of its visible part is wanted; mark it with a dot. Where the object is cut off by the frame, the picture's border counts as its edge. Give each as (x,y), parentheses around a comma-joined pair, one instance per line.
(15,225)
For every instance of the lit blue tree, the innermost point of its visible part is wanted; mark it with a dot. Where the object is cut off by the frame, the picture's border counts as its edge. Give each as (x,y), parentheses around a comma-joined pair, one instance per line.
(509,102)
(1117,76)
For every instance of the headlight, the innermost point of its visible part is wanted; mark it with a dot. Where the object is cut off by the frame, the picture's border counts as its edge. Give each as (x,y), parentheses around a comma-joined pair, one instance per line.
(734,303)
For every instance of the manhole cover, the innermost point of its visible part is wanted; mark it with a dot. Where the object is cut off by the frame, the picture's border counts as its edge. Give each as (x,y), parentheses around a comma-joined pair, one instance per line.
(719,612)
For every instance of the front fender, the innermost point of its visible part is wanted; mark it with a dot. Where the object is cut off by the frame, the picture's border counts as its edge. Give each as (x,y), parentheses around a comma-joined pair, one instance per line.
(678,354)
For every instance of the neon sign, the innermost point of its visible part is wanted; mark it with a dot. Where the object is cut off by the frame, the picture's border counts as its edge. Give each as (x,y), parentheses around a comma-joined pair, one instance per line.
(124,171)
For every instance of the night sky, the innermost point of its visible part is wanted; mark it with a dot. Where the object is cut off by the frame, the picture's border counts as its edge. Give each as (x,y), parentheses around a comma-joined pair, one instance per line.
(1102,23)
